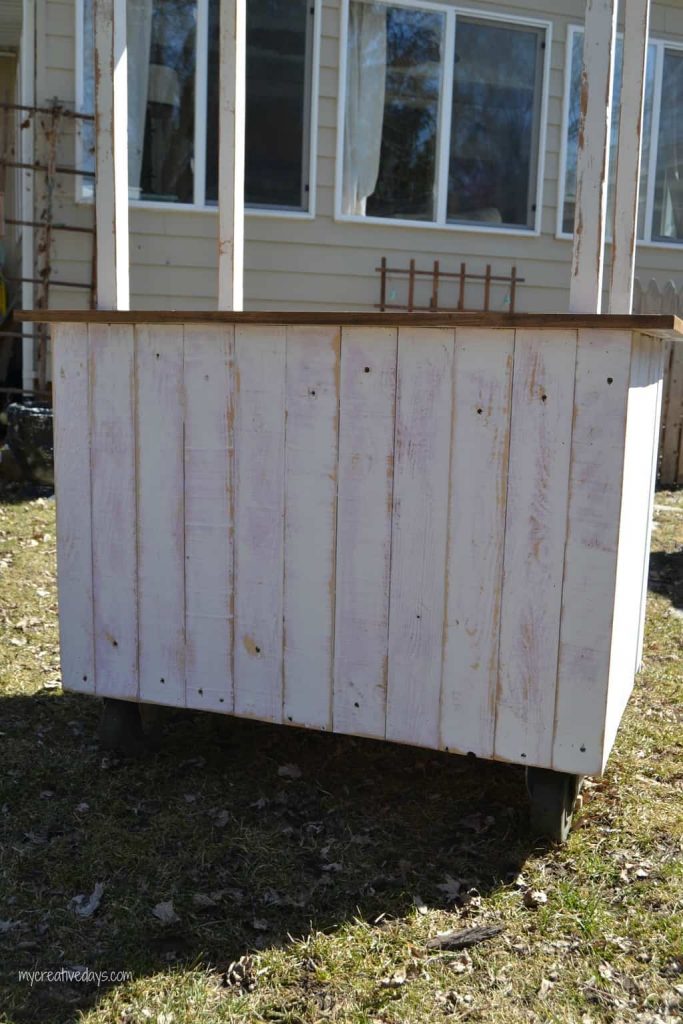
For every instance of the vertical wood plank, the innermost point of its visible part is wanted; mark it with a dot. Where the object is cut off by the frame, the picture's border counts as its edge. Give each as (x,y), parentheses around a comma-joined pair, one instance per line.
(592,162)
(478,491)
(111,154)
(231,122)
(366,463)
(72,492)
(673,430)
(540,441)
(114,508)
(312,396)
(419,528)
(160,501)
(636,511)
(259,515)
(595,493)
(209,412)
(657,373)
(627,178)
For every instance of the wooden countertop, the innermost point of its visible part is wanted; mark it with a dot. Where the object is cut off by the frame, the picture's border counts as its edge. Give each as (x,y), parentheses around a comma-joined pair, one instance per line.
(665,325)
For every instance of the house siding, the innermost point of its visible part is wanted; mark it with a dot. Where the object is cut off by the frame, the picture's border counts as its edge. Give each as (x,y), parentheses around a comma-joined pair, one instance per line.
(322,263)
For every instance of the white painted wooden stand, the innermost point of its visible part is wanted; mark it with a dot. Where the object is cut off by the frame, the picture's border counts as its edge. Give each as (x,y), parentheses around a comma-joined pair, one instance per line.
(427,529)
(434,533)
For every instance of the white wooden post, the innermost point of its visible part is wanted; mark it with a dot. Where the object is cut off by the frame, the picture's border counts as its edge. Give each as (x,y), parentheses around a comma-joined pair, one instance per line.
(592,165)
(111,152)
(28,267)
(636,28)
(231,117)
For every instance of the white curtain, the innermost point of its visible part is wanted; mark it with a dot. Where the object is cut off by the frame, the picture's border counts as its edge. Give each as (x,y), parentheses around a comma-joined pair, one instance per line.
(365,87)
(139,36)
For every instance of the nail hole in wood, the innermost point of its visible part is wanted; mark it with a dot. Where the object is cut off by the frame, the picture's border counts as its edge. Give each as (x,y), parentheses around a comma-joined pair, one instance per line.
(418,616)
(157,355)
(162,680)
(115,643)
(544,398)
(221,701)
(582,748)
(311,392)
(200,692)
(257,649)
(479,412)
(85,679)
(610,380)
(367,369)
(356,704)
(289,718)
(522,755)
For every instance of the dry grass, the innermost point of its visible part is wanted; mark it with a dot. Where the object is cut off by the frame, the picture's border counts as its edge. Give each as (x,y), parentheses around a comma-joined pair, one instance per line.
(328,883)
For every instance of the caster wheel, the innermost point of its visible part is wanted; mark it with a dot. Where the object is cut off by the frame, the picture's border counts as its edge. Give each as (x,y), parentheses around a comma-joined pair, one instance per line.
(552,798)
(121,727)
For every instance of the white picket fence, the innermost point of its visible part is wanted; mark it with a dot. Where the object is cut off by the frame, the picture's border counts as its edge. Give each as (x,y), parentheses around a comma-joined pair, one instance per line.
(669,299)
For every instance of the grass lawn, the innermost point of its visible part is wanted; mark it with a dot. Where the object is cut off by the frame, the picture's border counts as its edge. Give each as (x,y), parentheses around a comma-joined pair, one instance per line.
(245,873)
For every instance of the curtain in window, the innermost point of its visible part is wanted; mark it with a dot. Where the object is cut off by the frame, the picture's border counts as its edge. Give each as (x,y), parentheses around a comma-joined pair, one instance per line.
(365,86)
(139,37)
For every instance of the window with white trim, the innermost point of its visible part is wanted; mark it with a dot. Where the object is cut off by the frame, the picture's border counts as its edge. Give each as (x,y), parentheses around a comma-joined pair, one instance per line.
(660,203)
(173,71)
(442,115)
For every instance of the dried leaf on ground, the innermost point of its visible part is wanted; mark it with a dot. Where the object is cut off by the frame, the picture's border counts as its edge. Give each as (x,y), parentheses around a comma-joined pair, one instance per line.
(83,907)
(165,912)
(462,937)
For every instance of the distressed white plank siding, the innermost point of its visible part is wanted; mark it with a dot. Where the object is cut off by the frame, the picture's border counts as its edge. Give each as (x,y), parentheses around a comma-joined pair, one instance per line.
(474,572)
(590,563)
(419,533)
(74,526)
(208,366)
(311,445)
(433,535)
(160,513)
(364,512)
(259,520)
(636,513)
(114,508)
(657,372)
(540,442)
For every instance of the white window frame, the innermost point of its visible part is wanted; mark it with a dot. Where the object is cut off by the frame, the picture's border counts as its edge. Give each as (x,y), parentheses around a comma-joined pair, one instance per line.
(199,204)
(440,223)
(647,241)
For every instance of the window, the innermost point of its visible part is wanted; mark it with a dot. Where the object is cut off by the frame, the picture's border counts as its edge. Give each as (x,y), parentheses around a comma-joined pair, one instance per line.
(660,202)
(173,67)
(442,116)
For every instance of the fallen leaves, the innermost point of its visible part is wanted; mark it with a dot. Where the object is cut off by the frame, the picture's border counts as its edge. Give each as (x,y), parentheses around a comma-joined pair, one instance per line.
(451,887)
(165,912)
(460,938)
(86,907)
(534,898)
(241,974)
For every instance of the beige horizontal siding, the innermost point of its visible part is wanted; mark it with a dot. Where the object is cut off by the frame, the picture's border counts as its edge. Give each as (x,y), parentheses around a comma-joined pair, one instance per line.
(317,263)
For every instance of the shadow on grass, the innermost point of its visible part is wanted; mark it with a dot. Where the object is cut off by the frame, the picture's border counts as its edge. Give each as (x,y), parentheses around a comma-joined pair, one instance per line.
(666,575)
(20,493)
(250,854)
